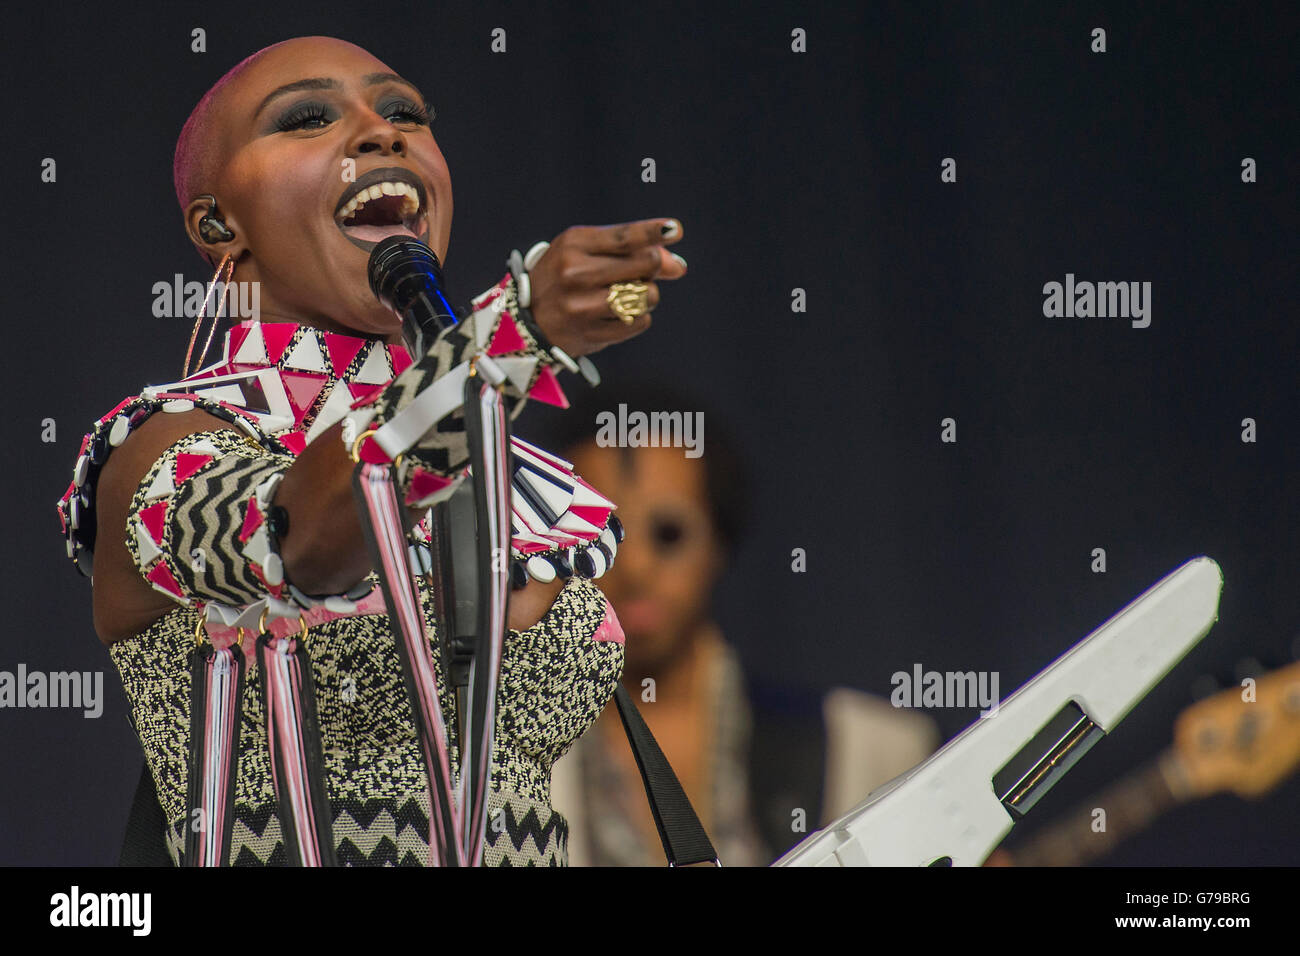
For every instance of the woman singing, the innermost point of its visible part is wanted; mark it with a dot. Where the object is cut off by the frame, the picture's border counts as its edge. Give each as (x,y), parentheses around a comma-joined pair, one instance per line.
(220,507)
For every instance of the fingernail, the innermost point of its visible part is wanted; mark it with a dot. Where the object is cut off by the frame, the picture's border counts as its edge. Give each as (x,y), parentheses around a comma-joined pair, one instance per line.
(671,228)
(680,260)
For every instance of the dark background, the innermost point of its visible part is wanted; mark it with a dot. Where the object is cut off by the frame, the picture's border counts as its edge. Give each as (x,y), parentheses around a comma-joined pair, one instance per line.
(819,171)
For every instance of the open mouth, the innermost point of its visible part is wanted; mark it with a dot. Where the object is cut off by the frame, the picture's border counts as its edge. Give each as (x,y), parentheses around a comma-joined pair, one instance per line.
(383,202)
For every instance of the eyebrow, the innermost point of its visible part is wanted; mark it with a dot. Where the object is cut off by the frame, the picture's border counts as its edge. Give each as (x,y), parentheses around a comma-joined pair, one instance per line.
(325,83)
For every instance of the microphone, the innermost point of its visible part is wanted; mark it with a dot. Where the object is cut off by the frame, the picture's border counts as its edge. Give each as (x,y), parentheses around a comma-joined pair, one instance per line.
(405,276)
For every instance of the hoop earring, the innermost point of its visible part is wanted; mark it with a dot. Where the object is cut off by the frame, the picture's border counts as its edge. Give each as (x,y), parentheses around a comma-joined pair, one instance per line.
(227,265)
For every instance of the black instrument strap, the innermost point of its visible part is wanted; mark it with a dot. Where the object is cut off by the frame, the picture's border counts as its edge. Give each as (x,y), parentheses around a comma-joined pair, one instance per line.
(680,831)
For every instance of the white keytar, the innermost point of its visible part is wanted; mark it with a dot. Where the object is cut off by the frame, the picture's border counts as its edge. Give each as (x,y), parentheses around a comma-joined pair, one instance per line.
(947,810)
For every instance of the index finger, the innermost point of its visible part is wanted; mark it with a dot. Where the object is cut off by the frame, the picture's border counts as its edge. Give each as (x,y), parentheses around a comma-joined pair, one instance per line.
(626,237)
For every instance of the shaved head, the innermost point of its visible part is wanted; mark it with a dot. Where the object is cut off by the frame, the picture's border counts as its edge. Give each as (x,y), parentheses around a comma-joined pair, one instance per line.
(199,147)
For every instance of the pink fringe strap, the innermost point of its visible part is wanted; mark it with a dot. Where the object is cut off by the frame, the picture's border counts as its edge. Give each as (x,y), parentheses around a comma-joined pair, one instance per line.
(381,519)
(217,685)
(297,762)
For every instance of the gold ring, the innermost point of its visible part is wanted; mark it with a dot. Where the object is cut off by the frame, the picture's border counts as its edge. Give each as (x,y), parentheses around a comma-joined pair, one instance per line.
(355,453)
(261,624)
(627,300)
(199,633)
(356,445)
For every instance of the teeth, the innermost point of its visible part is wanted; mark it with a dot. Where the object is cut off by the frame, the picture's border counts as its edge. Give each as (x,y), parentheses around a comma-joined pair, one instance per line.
(410,197)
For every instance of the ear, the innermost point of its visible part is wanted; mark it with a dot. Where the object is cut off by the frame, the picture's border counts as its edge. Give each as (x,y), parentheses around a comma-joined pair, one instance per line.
(213,251)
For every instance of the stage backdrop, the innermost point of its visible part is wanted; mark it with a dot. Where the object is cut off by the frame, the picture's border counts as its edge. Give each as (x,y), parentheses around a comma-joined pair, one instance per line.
(876,198)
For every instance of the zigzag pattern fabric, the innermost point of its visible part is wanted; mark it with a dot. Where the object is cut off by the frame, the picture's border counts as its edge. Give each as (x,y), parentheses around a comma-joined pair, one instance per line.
(375,779)
(379,833)
(196,527)
(522,832)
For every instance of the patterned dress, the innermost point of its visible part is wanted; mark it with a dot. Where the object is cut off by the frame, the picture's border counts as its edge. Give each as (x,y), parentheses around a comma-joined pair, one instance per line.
(555,677)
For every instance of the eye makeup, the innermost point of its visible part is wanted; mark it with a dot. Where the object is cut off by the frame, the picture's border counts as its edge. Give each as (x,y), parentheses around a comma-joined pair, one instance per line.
(314,115)
(416,111)
(303,116)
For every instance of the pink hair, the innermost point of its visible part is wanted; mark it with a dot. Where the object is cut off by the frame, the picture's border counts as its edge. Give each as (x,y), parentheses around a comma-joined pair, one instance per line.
(195,147)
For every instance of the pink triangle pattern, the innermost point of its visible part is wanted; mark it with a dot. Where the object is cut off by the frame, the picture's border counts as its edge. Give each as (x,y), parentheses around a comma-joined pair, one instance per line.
(578,479)
(363,394)
(252,520)
(529,547)
(275,590)
(187,464)
(424,484)
(294,441)
(237,336)
(342,350)
(153,518)
(372,454)
(116,408)
(303,389)
(277,336)
(562,539)
(507,338)
(610,629)
(490,296)
(401,359)
(63,515)
(590,513)
(547,389)
(161,577)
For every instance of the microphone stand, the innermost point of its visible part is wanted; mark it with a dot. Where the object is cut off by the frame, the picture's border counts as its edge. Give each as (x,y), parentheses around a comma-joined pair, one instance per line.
(455,594)
(470,531)
(405,275)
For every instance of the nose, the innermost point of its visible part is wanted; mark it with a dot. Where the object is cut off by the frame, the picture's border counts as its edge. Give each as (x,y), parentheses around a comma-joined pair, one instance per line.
(374,134)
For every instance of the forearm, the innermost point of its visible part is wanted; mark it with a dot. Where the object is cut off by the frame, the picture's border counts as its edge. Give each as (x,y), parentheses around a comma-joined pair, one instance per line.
(324,549)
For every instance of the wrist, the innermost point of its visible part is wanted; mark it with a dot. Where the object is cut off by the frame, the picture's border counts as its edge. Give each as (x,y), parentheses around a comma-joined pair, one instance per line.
(514,345)
(519,266)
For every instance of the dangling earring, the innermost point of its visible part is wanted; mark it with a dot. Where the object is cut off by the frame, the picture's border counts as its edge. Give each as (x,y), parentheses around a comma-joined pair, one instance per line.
(228,266)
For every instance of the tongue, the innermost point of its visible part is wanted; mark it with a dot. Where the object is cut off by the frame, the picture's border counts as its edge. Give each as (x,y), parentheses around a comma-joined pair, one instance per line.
(375,233)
